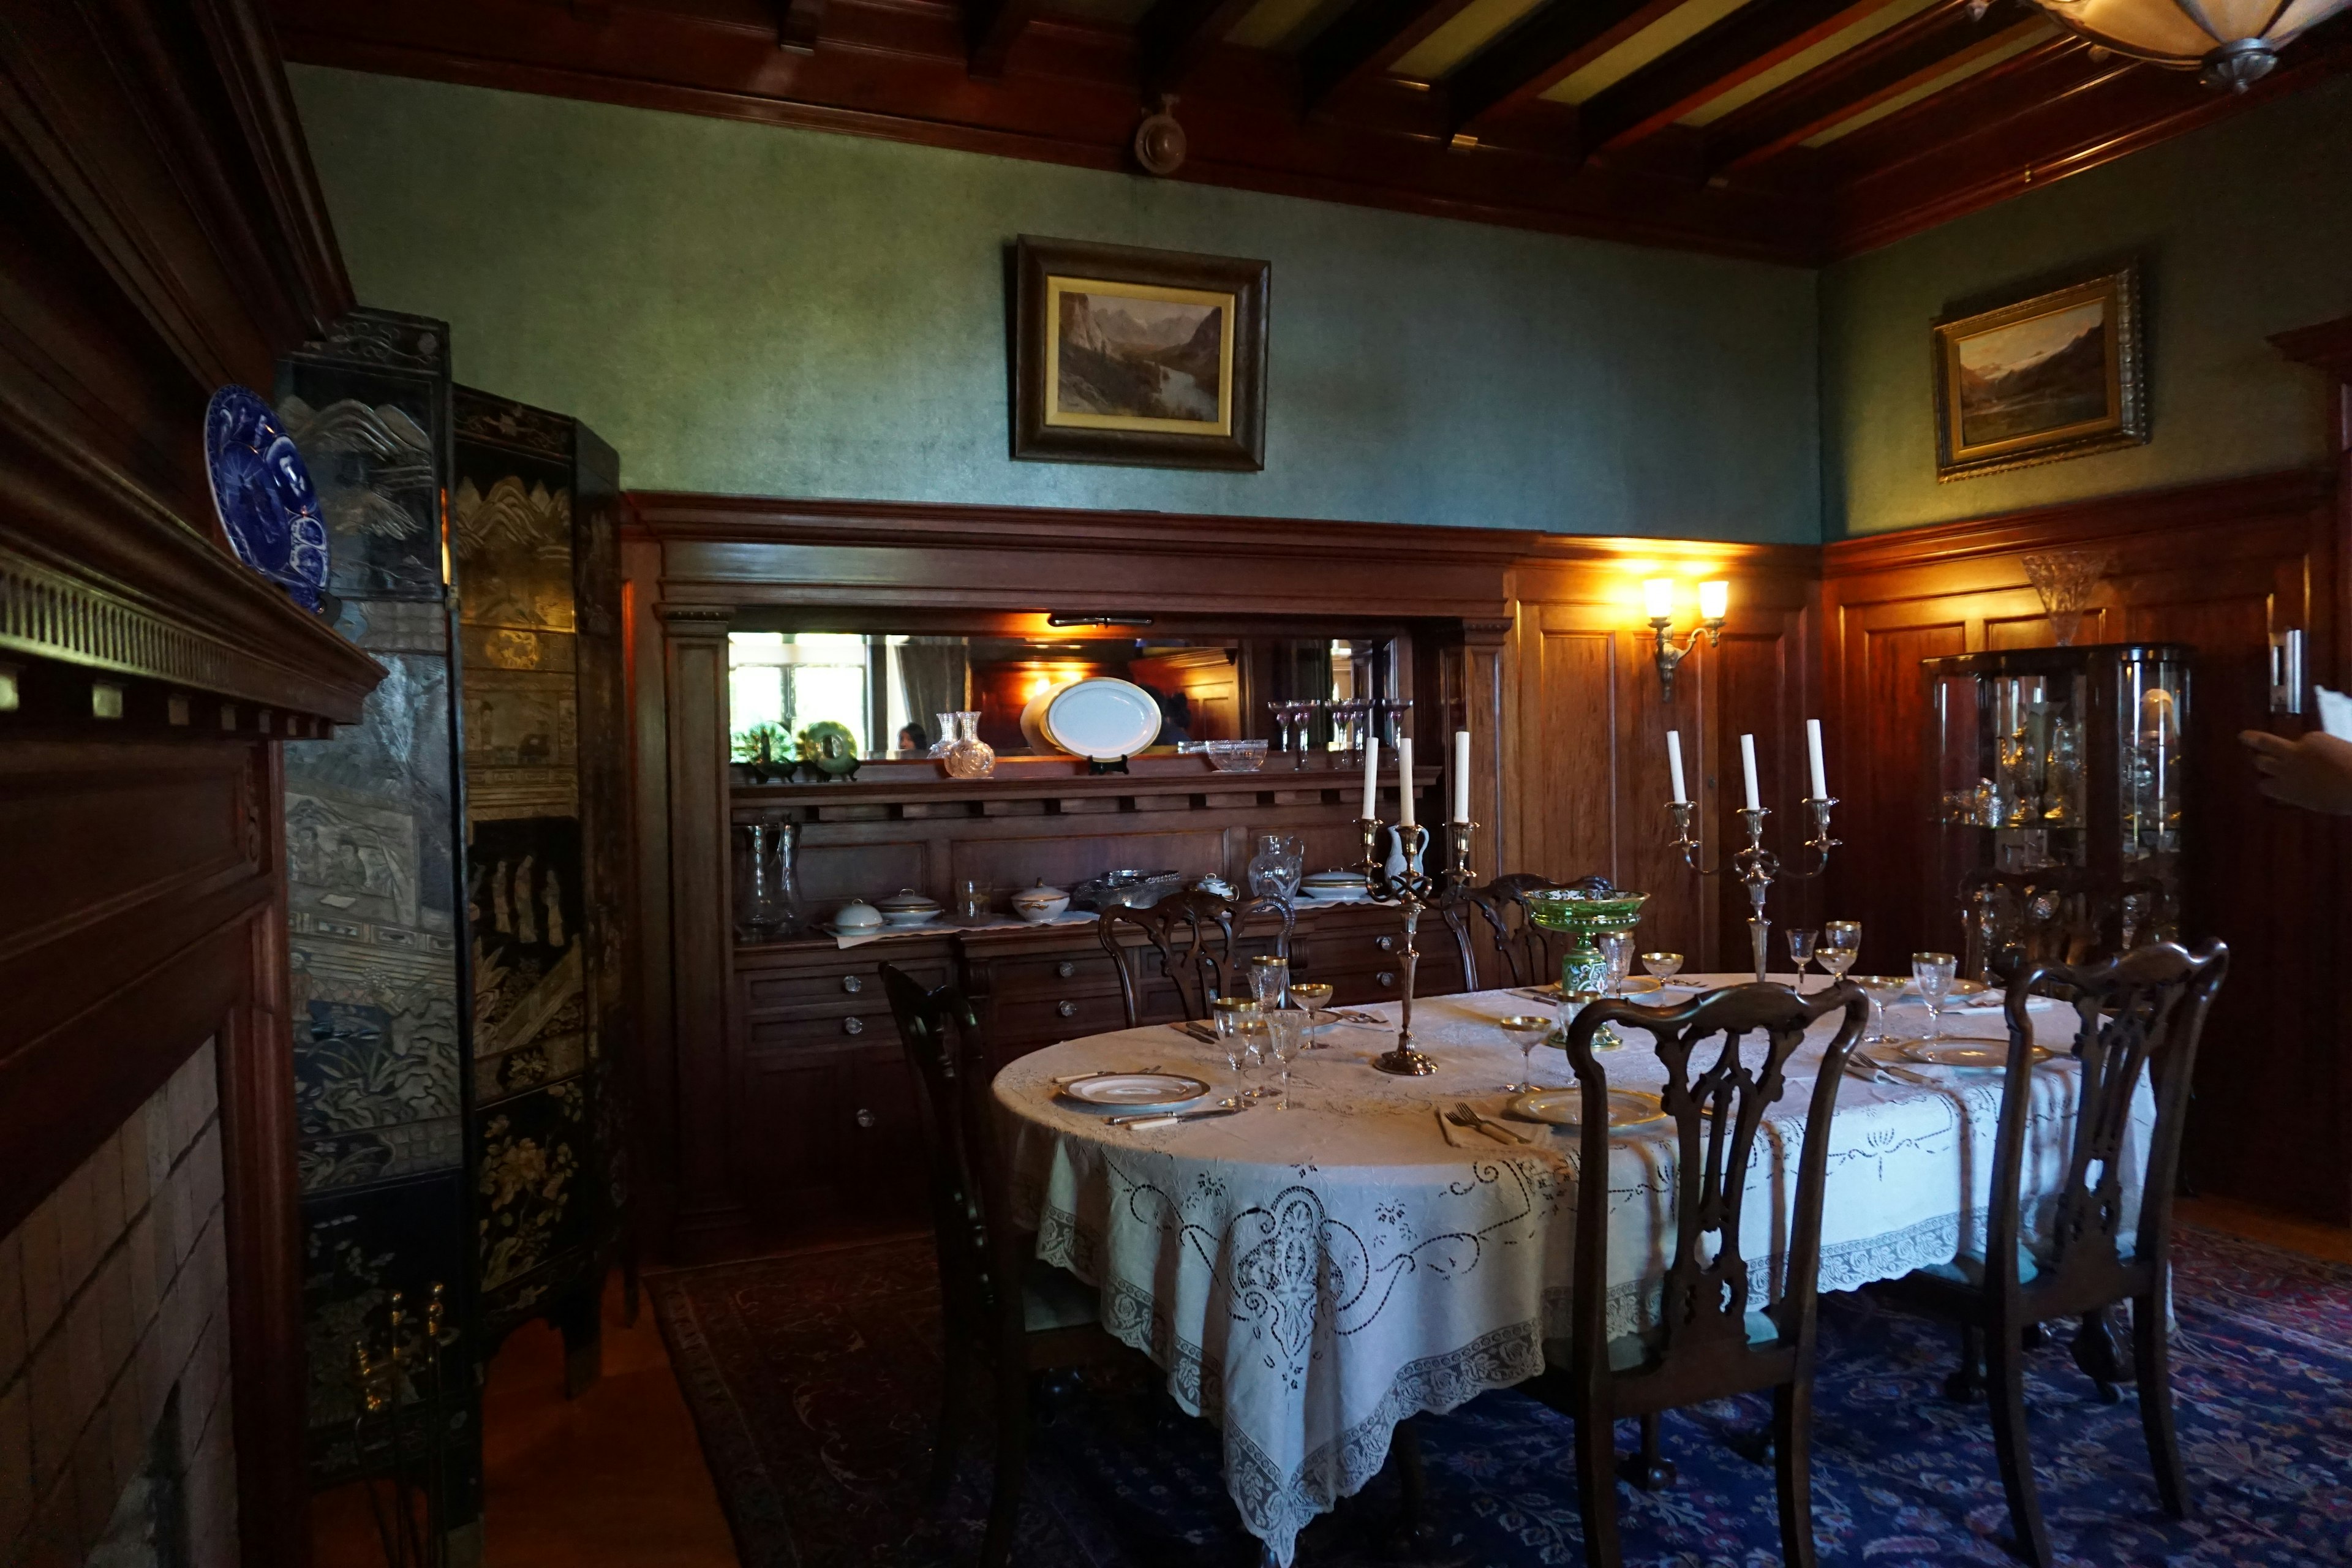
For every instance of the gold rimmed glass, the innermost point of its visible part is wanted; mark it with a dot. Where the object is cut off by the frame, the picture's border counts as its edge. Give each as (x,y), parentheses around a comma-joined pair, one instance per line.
(1270,979)
(1662,966)
(1841,945)
(1883,991)
(1315,995)
(1932,973)
(1527,1031)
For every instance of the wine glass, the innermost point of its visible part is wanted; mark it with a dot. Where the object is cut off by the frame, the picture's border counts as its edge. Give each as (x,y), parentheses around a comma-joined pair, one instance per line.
(1801,951)
(1662,966)
(1286,1034)
(1841,945)
(1228,1013)
(1255,1043)
(1617,947)
(1932,973)
(1527,1031)
(1270,979)
(1883,991)
(1314,996)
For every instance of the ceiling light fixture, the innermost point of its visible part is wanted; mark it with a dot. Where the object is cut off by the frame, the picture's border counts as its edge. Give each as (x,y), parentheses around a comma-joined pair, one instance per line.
(2233,43)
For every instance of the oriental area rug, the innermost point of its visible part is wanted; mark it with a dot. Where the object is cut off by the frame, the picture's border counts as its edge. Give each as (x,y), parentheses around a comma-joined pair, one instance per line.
(815,1383)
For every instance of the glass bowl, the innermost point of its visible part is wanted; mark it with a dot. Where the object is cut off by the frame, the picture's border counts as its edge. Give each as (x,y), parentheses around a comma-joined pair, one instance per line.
(1235,756)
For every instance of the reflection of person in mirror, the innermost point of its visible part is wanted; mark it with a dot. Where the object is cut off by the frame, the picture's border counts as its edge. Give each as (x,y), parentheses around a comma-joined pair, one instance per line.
(2314,772)
(911,739)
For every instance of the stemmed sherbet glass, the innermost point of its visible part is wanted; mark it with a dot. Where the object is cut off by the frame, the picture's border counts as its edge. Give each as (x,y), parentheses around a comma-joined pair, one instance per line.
(1315,998)
(1800,952)
(1286,1034)
(1617,947)
(1932,973)
(1883,991)
(1662,966)
(1526,1030)
(1841,945)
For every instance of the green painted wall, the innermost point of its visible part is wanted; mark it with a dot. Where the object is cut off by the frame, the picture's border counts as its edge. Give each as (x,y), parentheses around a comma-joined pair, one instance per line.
(754,310)
(2247,227)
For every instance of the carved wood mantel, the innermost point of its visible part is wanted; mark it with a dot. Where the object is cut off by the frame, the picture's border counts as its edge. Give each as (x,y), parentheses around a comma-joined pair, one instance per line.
(165,236)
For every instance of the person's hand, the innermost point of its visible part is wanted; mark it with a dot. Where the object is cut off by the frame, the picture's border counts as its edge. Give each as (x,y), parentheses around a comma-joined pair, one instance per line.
(2314,772)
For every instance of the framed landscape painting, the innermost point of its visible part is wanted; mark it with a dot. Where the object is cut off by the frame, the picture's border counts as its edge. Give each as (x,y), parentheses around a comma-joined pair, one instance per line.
(1152,357)
(2060,375)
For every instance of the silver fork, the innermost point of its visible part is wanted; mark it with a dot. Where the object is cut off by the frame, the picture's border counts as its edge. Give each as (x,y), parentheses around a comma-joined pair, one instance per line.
(1465,1116)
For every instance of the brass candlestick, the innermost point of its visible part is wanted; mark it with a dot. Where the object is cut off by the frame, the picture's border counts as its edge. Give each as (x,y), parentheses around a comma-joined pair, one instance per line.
(1756,867)
(1415,891)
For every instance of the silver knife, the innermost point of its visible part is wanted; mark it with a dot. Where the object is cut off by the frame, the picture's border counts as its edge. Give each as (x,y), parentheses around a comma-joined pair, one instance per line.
(1161,1119)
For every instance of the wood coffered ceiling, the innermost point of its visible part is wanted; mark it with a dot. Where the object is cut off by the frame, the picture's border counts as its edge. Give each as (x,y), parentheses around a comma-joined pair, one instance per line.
(1795,130)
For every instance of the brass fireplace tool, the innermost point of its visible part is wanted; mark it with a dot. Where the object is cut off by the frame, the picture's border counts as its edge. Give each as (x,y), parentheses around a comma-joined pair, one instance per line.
(1415,891)
(403,1417)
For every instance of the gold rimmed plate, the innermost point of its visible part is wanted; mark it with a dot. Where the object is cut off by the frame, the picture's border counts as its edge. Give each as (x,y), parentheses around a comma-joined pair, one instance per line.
(1977,1054)
(1565,1107)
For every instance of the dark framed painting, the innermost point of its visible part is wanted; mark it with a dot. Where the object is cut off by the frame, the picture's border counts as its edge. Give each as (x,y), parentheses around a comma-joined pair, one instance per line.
(2060,373)
(1150,357)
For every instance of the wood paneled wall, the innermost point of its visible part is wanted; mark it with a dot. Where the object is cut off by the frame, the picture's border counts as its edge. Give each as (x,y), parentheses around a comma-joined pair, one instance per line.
(1585,728)
(2219,567)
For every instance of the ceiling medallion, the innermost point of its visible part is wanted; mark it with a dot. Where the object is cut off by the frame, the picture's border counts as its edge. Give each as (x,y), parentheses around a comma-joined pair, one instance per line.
(2233,43)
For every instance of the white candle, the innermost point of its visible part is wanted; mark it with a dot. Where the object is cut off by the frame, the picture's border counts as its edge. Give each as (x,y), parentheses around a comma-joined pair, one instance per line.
(1813,752)
(1461,775)
(1675,762)
(1371,777)
(1747,765)
(1404,781)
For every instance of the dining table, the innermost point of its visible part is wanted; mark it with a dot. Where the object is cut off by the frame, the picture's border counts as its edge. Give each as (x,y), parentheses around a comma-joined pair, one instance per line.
(1306,1277)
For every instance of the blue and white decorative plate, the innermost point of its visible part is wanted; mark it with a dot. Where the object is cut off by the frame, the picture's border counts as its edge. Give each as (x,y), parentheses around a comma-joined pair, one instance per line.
(264,496)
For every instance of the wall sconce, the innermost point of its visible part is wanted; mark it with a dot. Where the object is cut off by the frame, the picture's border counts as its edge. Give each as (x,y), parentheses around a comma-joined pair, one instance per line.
(1658,604)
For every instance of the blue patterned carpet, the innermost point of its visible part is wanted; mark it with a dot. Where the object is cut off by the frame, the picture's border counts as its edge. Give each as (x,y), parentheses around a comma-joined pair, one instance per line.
(814,1382)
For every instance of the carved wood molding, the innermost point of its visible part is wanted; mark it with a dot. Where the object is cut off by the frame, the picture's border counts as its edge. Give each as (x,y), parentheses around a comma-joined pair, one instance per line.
(2289,493)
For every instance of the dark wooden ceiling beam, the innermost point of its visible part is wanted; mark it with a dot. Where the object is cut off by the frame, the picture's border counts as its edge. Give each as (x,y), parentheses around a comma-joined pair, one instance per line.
(1365,41)
(991,28)
(1940,38)
(1543,50)
(1753,39)
(1175,35)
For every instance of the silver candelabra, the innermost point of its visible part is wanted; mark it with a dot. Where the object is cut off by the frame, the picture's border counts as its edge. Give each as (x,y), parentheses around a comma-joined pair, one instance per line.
(1756,867)
(1416,890)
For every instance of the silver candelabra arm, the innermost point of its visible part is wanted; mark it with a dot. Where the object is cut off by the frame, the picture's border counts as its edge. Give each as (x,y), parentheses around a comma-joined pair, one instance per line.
(1756,867)
(1414,891)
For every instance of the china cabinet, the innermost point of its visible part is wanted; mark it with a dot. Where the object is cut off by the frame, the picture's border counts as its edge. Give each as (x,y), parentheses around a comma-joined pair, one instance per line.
(2058,799)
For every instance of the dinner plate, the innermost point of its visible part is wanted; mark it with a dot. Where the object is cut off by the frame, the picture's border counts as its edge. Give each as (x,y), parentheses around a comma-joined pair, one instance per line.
(264,496)
(1135,1089)
(1565,1107)
(1980,1054)
(1102,717)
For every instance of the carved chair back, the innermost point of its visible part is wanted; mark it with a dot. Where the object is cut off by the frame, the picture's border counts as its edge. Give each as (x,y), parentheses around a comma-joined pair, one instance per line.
(1527,954)
(1193,931)
(1267,905)
(980,1261)
(1716,1099)
(2142,1012)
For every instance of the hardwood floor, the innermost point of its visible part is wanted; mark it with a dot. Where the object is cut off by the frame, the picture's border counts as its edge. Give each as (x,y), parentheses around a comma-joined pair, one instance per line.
(2332,1242)
(613,1477)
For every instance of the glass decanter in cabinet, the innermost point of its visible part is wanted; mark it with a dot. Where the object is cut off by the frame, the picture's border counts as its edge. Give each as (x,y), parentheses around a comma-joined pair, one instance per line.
(2058,800)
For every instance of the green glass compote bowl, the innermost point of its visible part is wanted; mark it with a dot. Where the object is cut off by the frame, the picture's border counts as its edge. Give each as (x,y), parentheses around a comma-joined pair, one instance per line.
(1580,914)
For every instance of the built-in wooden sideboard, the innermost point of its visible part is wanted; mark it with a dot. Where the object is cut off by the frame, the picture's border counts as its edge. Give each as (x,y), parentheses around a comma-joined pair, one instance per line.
(826,1084)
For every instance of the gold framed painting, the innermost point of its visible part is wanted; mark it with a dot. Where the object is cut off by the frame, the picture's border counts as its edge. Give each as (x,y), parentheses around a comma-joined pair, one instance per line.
(2060,373)
(1148,357)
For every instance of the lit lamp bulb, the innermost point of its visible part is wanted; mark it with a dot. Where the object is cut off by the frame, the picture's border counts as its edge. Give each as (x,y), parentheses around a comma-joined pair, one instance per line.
(1714,601)
(1658,598)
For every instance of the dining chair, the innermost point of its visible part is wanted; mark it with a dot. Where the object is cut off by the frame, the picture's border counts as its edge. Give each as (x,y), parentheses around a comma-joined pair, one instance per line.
(2141,1012)
(1501,907)
(1003,1312)
(1194,934)
(1712,1340)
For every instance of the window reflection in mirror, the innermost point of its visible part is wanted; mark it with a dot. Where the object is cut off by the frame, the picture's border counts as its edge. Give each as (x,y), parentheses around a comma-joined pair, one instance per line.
(888,691)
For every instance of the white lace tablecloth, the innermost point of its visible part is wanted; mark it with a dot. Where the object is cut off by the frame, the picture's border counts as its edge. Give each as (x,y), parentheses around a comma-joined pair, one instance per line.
(1309,1278)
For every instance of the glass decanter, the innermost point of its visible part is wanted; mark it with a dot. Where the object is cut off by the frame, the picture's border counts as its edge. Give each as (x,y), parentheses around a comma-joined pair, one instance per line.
(968,756)
(769,878)
(946,732)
